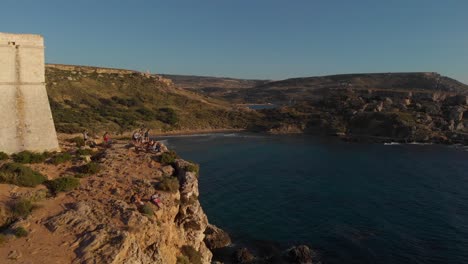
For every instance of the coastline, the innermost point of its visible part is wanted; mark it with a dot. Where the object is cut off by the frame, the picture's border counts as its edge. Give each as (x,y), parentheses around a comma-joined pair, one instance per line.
(344,137)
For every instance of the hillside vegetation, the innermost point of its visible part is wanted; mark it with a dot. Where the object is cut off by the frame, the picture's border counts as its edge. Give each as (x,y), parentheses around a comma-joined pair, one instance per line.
(120,100)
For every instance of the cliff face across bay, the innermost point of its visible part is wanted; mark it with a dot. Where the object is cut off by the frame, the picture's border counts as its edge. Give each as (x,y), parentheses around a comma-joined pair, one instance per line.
(99,222)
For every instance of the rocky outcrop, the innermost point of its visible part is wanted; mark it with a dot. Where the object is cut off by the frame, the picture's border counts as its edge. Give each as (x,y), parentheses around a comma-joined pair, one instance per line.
(377,115)
(109,228)
(243,256)
(216,237)
(301,255)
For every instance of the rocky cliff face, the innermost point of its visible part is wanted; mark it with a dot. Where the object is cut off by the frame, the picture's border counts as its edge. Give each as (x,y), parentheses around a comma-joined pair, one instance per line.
(99,222)
(180,222)
(376,115)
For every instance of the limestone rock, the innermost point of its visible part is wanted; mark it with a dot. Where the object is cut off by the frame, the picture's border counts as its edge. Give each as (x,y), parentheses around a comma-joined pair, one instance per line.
(216,237)
(456,113)
(14,255)
(243,256)
(301,255)
(167,170)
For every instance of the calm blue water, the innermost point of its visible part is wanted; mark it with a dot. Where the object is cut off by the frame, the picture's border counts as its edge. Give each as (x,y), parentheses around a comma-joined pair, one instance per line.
(259,107)
(355,203)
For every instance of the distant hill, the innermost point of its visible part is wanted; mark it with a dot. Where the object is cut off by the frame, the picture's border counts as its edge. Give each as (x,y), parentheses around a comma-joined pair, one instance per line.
(309,88)
(219,87)
(120,100)
(300,89)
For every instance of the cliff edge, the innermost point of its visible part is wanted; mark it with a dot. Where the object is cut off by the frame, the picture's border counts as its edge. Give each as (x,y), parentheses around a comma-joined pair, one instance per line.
(99,222)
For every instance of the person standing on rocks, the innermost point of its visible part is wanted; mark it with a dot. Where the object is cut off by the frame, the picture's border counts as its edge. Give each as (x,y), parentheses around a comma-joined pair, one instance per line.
(147,135)
(85,136)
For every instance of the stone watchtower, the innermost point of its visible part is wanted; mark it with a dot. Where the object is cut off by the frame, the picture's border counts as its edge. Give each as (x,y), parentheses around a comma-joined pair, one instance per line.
(25,118)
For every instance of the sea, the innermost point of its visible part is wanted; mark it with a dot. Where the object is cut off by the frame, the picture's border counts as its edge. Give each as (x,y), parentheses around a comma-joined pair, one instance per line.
(351,202)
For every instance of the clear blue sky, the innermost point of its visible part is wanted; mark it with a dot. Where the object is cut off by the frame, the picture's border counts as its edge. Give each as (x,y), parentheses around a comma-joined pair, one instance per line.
(268,39)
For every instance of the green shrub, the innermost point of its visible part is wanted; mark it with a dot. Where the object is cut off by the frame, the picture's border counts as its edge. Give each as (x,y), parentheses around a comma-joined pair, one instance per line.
(81,175)
(168,116)
(79,141)
(21,208)
(63,184)
(85,152)
(61,158)
(169,157)
(18,174)
(169,184)
(192,254)
(147,210)
(29,157)
(47,154)
(3,239)
(21,232)
(183,260)
(193,167)
(4,156)
(90,168)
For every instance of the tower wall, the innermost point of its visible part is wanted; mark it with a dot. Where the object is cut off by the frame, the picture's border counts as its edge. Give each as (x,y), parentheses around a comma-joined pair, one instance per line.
(25,119)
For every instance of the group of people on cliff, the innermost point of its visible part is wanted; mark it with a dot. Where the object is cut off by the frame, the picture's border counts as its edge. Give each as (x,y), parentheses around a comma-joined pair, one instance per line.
(154,199)
(106,139)
(141,138)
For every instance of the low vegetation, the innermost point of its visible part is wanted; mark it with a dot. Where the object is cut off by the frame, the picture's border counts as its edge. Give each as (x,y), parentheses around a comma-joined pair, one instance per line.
(90,168)
(79,141)
(183,260)
(63,184)
(147,210)
(21,232)
(4,156)
(3,239)
(30,157)
(193,167)
(192,254)
(169,184)
(169,157)
(85,152)
(132,100)
(21,208)
(61,158)
(18,174)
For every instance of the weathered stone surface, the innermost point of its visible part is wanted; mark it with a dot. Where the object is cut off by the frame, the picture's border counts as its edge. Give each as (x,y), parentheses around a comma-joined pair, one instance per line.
(216,237)
(167,170)
(243,256)
(14,255)
(27,122)
(301,255)
(115,230)
(456,113)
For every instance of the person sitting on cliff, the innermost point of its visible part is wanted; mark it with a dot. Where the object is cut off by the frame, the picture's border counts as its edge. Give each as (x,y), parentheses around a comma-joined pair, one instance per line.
(150,145)
(141,139)
(136,199)
(136,137)
(106,138)
(146,138)
(157,147)
(156,200)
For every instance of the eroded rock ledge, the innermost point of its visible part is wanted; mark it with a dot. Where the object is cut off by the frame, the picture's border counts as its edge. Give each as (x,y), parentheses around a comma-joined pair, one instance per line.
(110,229)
